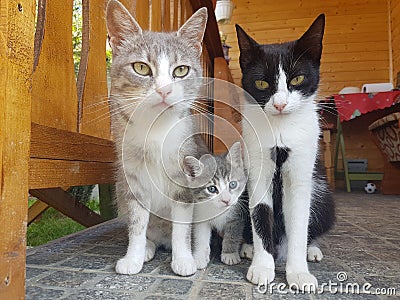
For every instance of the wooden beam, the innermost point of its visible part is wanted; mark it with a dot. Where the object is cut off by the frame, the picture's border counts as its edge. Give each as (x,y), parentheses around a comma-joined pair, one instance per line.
(212,39)
(36,210)
(46,173)
(227,128)
(52,143)
(16,56)
(69,206)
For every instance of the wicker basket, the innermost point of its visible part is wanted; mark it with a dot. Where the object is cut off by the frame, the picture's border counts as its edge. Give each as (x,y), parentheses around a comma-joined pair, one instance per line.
(387,132)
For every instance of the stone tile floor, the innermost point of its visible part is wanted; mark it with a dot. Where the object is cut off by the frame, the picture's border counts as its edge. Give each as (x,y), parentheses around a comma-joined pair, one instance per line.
(363,247)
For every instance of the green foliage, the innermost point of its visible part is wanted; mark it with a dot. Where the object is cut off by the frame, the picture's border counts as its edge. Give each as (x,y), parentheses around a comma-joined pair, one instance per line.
(52,225)
(77,37)
(82,193)
(77,33)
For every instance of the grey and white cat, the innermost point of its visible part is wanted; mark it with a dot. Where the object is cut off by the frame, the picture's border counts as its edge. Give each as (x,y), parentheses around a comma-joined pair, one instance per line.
(290,203)
(150,104)
(217,206)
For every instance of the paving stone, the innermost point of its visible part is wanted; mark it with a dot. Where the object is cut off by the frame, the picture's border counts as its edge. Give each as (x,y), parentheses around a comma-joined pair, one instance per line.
(212,290)
(362,244)
(226,273)
(89,262)
(45,258)
(100,295)
(66,279)
(173,287)
(38,293)
(33,272)
(125,282)
(108,250)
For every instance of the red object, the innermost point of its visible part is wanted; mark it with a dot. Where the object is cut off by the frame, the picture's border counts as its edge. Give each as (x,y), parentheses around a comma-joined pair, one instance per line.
(350,106)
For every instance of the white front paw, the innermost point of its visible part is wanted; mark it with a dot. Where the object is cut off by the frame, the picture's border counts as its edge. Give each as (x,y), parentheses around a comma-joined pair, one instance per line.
(201,260)
(247,251)
(230,258)
(150,251)
(314,254)
(302,281)
(129,265)
(260,275)
(183,266)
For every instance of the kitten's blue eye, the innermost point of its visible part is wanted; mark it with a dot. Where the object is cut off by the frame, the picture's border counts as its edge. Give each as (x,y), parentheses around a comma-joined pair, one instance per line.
(233,185)
(212,189)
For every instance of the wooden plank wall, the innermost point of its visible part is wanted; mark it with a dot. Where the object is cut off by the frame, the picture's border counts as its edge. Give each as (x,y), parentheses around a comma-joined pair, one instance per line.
(395,28)
(356,45)
(356,49)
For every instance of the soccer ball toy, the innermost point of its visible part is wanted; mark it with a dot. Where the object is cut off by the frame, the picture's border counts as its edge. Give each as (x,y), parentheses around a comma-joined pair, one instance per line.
(370,188)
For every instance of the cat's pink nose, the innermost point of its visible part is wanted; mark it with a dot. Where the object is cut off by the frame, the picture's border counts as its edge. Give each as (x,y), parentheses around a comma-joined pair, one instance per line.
(164,91)
(225,201)
(279,107)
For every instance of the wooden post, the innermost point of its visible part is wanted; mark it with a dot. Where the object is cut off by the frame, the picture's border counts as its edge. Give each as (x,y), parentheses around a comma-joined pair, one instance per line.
(227,128)
(16,56)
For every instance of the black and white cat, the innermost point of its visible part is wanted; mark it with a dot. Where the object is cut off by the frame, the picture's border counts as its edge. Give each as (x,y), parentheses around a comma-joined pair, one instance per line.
(290,204)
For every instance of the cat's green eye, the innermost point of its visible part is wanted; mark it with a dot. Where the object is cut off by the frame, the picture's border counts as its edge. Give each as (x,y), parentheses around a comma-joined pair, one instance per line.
(233,184)
(212,189)
(297,80)
(181,71)
(141,68)
(261,84)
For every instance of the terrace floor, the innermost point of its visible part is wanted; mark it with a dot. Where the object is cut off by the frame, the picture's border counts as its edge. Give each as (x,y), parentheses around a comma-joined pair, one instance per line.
(364,247)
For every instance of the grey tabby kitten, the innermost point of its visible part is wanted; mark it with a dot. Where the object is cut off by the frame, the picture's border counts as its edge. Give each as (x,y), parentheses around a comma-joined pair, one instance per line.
(150,107)
(217,204)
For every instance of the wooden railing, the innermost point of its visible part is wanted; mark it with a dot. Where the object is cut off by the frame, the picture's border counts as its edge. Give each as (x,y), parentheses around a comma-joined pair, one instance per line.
(54,125)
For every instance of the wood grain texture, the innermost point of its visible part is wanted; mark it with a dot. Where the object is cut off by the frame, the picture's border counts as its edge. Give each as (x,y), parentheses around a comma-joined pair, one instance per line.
(212,39)
(143,13)
(227,128)
(166,24)
(54,94)
(95,116)
(36,210)
(395,35)
(48,173)
(356,45)
(16,56)
(156,15)
(69,206)
(52,143)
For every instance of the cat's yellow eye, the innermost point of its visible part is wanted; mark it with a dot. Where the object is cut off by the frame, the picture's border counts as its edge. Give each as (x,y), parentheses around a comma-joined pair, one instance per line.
(297,80)
(142,68)
(181,71)
(261,84)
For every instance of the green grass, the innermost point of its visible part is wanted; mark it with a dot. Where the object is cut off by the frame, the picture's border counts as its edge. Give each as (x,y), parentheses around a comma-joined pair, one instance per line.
(53,225)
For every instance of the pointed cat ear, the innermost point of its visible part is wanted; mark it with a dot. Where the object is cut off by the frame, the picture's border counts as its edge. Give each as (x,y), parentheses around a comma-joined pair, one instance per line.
(235,154)
(246,46)
(120,24)
(194,27)
(311,41)
(192,166)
